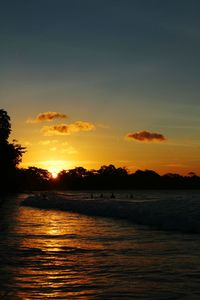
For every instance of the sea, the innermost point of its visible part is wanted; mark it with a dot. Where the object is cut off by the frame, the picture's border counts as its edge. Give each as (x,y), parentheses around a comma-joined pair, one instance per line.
(52,254)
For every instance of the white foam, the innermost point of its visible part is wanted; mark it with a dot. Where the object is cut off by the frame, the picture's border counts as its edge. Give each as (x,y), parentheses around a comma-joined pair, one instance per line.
(178,214)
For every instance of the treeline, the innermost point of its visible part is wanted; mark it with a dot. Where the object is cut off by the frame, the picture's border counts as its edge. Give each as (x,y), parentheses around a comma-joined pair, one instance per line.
(106,178)
(10,156)
(13,179)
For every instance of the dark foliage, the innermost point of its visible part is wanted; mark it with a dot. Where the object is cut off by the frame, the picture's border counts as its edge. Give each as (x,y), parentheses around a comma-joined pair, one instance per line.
(106,178)
(34,179)
(10,156)
(110,177)
(5,126)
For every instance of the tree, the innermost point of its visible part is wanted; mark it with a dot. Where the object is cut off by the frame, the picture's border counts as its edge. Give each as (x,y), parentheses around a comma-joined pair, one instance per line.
(5,126)
(10,155)
(35,179)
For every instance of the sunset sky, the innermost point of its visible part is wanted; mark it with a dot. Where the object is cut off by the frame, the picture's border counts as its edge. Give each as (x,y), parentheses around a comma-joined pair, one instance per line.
(94,82)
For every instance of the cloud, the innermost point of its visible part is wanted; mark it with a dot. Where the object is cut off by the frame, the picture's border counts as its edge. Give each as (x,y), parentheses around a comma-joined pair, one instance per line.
(47,116)
(67,129)
(146,136)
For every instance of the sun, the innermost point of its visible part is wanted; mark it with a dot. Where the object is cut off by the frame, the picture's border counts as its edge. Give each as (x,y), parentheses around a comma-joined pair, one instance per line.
(54,174)
(54,167)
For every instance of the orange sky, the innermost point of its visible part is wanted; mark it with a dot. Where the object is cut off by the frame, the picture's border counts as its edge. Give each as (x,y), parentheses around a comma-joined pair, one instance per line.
(103,82)
(61,143)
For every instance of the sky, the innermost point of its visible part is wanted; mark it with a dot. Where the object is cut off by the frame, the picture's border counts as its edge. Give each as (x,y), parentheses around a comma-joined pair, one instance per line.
(93,82)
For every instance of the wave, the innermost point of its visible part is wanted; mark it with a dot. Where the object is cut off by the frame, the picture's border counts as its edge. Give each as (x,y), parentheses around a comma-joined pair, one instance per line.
(178,214)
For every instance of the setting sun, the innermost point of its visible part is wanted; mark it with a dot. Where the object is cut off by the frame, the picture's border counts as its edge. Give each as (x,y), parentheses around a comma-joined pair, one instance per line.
(55,166)
(54,175)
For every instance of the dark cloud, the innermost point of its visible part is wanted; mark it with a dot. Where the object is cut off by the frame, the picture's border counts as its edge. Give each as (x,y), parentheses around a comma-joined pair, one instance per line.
(47,116)
(146,136)
(67,129)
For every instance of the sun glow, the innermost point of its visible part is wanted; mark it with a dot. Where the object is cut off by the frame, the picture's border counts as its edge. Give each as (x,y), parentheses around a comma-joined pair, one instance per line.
(54,174)
(53,166)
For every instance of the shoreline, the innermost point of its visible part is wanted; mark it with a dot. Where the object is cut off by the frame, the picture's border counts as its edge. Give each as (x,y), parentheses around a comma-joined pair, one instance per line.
(173,215)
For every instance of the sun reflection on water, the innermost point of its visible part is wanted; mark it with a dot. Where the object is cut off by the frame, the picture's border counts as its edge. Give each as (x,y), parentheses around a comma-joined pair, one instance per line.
(60,255)
(55,258)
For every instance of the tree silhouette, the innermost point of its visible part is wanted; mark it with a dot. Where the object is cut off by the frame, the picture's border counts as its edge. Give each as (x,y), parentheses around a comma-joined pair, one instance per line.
(5,126)
(34,179)
(10,155)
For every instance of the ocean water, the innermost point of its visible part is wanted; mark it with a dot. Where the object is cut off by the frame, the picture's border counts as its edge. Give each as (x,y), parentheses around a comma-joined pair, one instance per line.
(47,254)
